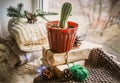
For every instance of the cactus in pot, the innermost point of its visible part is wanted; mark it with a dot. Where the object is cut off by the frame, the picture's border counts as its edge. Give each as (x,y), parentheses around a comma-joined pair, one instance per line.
(61,34)
(65,13)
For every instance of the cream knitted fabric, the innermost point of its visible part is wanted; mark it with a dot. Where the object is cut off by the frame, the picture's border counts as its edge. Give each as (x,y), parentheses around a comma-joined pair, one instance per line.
(29,37)
(7,54)
(8,60)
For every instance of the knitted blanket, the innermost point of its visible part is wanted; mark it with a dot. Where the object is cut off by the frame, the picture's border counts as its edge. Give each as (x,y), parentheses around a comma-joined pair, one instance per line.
(24,57)
(29,37)
(11,56)
(8,60)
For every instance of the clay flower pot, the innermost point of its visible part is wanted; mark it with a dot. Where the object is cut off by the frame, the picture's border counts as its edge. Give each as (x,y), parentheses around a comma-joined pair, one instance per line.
(61,40)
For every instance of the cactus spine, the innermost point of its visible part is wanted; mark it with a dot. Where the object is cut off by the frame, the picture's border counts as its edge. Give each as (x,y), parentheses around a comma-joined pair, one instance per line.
(65,13)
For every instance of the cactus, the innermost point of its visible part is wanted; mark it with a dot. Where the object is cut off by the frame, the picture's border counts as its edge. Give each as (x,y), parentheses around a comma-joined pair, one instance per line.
(65,13)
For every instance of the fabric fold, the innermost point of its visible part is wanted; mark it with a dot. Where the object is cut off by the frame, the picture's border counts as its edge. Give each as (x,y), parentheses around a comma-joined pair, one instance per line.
(29,37)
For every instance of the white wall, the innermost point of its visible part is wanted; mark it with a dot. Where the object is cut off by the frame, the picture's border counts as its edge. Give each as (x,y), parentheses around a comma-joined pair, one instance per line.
(3,13)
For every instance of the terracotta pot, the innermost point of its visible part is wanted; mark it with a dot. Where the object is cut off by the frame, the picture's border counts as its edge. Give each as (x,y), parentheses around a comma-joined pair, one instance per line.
(61,40)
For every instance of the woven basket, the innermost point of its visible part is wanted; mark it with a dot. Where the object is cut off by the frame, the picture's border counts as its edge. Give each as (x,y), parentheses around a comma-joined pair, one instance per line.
(102,68)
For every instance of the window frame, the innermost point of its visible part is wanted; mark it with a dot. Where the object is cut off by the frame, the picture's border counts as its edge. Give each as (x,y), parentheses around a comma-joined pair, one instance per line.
(40,5)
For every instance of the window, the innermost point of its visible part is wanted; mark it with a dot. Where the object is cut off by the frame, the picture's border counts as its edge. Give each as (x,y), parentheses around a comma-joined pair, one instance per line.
(54,6)
(40,5)
(99,20)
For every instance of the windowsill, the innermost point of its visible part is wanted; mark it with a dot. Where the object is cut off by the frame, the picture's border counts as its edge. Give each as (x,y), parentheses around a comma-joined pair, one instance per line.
(93,35)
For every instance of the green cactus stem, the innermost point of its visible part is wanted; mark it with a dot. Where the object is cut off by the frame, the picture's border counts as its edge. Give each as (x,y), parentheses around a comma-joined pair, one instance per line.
(65,13)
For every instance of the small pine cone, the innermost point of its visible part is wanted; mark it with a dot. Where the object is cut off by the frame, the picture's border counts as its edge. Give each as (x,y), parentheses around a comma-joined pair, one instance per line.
(66,75)
(47,74)
(31,18)
(77,41)
(38,79)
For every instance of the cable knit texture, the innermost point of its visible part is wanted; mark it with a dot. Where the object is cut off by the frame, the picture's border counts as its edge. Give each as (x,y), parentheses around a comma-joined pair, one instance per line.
(29,37)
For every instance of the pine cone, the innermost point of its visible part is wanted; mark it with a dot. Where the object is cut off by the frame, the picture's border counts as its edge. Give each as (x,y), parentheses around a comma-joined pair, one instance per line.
(77,41)
(31,18)
(38,79)
(66,75)
(48,74)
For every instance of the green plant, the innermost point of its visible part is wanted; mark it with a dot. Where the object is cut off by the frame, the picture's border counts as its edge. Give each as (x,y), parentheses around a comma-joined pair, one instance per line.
(65,13)
(77,41)
(16,12)
(42,14)
(19,12)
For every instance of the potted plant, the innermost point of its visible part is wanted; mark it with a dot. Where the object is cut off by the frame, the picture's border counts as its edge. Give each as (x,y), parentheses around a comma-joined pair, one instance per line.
(61,34)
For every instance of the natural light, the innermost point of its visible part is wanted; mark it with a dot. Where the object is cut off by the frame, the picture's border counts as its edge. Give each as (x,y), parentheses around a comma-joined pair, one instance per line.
(52,41)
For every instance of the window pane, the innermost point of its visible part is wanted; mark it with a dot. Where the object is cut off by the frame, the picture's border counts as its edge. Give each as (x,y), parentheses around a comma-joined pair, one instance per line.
(99,20)
(57,4)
